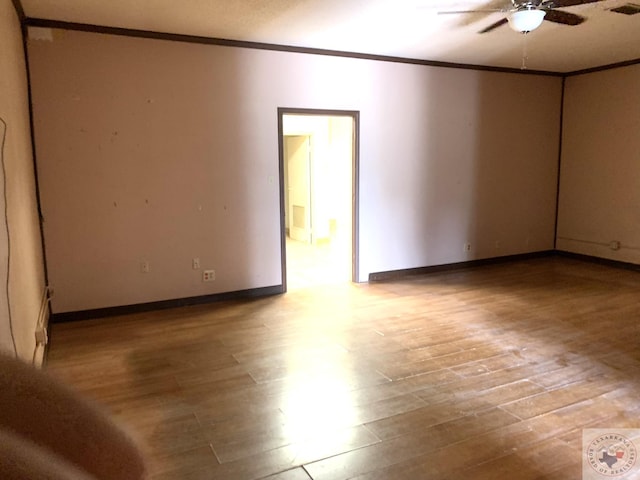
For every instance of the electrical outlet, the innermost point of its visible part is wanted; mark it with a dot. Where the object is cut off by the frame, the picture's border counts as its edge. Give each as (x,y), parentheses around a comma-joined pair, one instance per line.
(144,267)
(196,263)
(466,247)
(208,275)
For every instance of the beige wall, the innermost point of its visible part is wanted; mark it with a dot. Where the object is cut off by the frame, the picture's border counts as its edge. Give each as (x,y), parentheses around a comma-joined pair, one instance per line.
(600,174)
(26,272)
(158,151)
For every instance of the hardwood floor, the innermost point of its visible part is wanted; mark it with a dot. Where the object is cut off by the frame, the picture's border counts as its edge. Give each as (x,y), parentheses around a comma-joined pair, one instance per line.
(485,373)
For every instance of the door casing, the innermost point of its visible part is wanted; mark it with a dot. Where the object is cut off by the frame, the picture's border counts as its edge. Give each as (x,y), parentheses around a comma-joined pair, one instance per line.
(355,115)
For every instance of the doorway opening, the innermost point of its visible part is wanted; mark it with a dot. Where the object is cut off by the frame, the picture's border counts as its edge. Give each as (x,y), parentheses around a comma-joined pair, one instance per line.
(318,196)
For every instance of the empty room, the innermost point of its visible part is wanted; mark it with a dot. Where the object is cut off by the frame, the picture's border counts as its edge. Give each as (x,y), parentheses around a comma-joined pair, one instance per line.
(320,240)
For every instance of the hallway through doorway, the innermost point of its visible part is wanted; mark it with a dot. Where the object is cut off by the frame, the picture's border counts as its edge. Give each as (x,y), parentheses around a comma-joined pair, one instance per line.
(318,163)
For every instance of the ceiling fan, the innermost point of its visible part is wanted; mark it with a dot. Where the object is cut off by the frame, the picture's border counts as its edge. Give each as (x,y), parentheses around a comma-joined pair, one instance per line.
(525,16)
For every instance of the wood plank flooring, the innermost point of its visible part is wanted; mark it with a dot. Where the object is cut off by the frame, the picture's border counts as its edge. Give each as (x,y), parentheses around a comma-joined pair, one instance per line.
(484,373)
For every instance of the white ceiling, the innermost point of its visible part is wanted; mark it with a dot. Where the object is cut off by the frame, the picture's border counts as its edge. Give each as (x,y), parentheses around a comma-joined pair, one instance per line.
(402,28)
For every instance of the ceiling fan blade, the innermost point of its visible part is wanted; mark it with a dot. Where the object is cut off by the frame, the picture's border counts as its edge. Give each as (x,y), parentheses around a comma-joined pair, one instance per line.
(566,18)
(569,3)
(494,25)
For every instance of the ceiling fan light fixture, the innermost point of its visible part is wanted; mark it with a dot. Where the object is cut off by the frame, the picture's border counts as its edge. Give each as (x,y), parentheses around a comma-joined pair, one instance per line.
(524,21)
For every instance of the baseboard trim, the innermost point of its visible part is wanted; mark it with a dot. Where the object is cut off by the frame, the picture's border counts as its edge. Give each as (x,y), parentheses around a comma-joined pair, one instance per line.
(165,304)
(279,289)
(599,260)
(395,274)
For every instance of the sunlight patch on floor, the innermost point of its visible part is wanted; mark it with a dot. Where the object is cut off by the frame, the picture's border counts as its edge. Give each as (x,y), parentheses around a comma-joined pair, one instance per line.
(310,265)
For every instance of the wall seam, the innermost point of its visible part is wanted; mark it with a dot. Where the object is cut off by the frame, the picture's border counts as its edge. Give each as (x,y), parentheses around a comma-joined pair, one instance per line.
(24,31)
(555,229)
(33,147)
